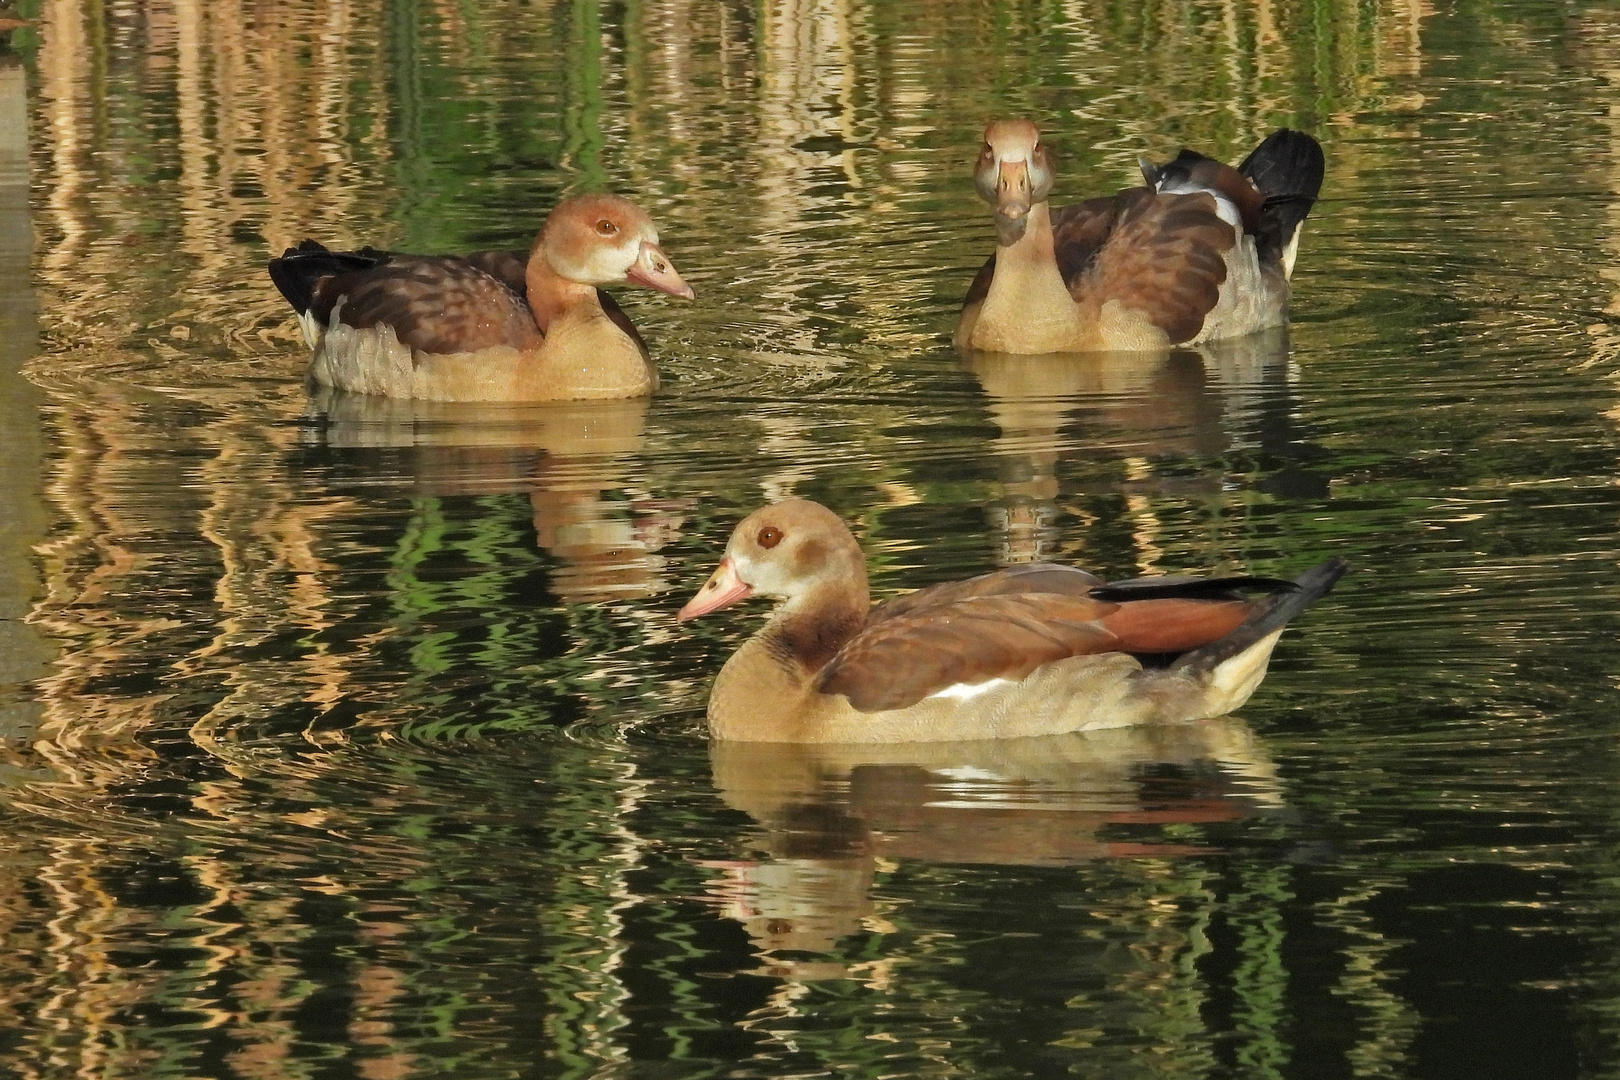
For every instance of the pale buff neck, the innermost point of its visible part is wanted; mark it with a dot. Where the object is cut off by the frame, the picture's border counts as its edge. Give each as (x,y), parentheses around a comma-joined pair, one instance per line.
(1028,308)
(1035,247)
(551,294)
(766,686)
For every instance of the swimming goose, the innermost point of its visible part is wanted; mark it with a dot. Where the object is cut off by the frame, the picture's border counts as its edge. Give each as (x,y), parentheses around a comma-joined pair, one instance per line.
(1202,252)
(490,326)
(1035,649)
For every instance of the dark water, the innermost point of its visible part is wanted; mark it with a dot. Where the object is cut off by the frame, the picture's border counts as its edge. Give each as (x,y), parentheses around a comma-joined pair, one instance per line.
(357,739)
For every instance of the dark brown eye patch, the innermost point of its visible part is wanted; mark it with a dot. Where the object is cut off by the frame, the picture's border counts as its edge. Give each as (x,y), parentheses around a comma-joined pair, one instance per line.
(770,536)
(606,227)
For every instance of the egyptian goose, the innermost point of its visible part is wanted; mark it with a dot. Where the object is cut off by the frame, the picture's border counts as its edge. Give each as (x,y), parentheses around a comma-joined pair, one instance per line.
(490,326)
(1035,649)
(1202,252)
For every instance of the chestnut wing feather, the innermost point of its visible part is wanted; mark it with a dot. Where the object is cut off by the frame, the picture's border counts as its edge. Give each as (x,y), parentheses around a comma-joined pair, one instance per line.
(435,304)
(1165,257)
(901,659)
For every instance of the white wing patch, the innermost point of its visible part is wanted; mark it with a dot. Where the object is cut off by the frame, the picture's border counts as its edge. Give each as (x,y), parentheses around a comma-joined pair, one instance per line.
(969,691)
(1227,210)
(1291,250)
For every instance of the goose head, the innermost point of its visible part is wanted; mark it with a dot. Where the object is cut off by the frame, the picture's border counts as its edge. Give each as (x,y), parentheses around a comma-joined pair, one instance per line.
(606,240)
(1012,175)
(794,550)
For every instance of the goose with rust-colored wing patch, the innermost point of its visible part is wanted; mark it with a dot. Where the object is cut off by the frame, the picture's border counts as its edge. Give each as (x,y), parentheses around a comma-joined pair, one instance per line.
(1038,649)
(1204,251)
(490,326)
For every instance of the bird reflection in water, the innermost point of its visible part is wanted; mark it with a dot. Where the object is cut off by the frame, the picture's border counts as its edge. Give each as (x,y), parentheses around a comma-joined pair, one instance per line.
(831,816)
(566,456)
(1142,406)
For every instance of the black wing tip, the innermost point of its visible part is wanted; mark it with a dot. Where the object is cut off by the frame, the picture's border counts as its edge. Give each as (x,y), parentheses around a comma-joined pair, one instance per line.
(1191,588)
(1319,580)
(1287,168)
(1282,608)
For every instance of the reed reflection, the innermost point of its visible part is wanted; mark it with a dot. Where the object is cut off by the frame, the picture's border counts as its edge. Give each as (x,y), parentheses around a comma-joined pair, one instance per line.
(831,816)
(1136,409)
(23,652)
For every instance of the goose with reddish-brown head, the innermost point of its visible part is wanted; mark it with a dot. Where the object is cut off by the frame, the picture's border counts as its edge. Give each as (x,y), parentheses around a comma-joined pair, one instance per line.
(490,326)
(1035,649)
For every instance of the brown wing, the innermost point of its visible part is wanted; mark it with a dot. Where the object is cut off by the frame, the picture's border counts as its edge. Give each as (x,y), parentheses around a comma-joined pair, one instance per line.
(1014,580)
(510,268)
(1080,231)
(435,305)
(1164,257)
(899,660)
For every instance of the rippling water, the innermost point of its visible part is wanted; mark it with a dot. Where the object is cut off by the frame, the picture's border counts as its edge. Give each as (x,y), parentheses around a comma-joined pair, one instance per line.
(356,738)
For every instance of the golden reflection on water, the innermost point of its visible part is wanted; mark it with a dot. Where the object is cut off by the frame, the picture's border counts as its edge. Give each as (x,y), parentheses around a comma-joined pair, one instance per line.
(812,155)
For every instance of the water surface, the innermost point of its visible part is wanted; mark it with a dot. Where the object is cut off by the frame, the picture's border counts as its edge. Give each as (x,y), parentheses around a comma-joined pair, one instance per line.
(349,738)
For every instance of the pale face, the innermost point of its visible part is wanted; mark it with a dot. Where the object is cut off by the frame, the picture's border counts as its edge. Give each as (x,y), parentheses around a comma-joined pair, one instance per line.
(783,551)
(606,240)
(1013,174)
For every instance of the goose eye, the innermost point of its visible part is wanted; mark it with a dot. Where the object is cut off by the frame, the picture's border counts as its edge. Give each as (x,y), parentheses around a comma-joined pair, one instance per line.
(770,536)
(606,227)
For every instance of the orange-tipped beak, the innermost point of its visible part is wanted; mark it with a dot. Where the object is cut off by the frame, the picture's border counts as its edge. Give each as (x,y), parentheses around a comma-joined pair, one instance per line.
(723,589)
(653,269)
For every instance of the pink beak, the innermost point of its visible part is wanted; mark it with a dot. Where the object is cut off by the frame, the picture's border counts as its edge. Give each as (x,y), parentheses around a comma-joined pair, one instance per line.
(723,589)
(653,269)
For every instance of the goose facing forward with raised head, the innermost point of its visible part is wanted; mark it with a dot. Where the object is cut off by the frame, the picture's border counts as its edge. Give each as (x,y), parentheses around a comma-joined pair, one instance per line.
(490,326)
(1035,649)
(1202,252)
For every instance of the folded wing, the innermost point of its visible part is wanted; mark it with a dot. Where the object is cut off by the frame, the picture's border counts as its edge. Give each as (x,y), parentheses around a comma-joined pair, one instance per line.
(1006,624)
(903,658)
(1164,257)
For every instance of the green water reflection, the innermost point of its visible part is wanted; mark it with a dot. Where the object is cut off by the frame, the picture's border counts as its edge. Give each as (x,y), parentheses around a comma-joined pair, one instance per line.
(355,738)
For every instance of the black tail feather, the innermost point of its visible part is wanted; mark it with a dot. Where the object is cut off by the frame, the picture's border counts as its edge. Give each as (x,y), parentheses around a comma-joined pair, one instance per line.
(1270,616)
(300,269)
(1287,167)
(1188,588)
